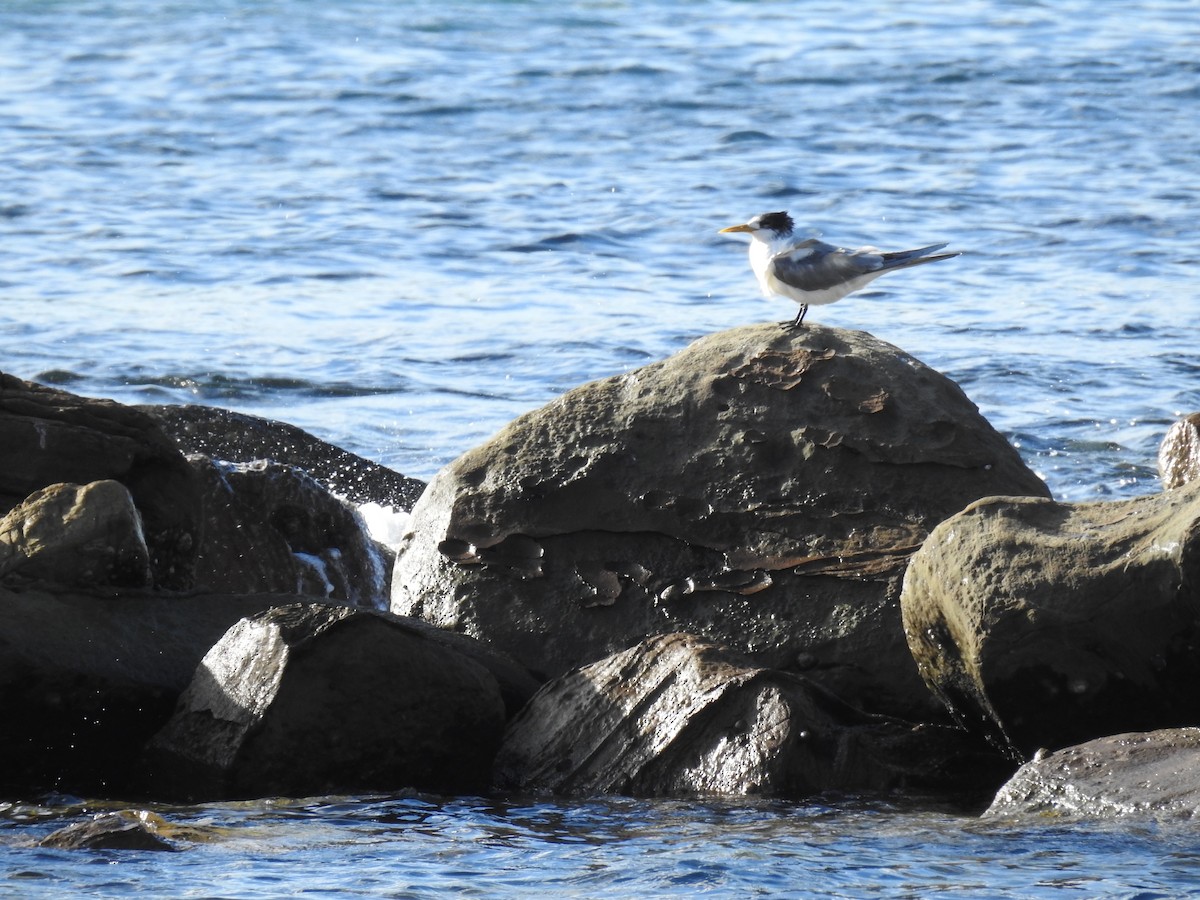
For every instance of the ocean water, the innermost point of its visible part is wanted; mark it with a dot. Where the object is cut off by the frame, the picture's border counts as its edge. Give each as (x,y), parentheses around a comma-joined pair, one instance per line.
(399,225)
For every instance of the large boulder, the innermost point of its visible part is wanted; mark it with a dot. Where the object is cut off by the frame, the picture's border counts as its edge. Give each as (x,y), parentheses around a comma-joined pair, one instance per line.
(312,699)
(81,535)
(677,716)
(241,438)
(1046,624)
(1146,775)
(86,679)
(762,488)
(272,528)
(49,436)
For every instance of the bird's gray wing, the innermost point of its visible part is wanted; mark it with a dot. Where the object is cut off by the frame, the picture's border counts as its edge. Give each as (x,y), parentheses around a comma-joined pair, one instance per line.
(813,265)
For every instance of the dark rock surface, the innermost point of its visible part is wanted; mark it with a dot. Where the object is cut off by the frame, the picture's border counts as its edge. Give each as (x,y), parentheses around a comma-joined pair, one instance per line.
(1046,624)
(762,488)
(71,534)
(122,830)
(1179,453)
(271,528)
(312,699)
(1143,775)
(676,716)
(49,437)
(241,438)
(86,679)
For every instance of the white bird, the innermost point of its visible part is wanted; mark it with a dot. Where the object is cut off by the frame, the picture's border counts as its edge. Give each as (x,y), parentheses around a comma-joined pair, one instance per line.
(812,272)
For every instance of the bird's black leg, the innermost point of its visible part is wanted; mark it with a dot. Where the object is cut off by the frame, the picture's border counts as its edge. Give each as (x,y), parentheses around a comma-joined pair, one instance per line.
(799,320)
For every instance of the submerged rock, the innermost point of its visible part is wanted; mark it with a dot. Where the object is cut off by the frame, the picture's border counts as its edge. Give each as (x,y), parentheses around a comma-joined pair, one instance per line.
(313,699)
(49,437)
(125,829)
(271,528)
(676,716)
(1045,624)
(240,438)
(71,534)
(762,488)
(1155,774)
(1179,453)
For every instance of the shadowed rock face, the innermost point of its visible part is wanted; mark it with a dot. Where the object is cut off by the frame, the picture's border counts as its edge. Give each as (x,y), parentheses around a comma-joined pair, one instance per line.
(1045,624)
(677,715)
(310,699)
(49,436)
(761,488)
(1144,775)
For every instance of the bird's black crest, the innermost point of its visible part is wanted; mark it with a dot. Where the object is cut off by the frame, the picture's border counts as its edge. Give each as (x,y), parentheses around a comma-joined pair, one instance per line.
(778,222)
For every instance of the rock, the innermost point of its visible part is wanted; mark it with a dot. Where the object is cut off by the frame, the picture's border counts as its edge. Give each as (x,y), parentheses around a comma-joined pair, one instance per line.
(72,534)
(312,699)
(86,680)
(1155,774)
(1046,624)
(237,437)
(49,437)
(761,488)
(1179,453)
(676,716)
(124,830)
(271,528)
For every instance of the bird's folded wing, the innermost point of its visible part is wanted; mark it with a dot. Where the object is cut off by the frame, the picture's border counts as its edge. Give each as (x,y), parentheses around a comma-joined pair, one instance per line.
(813,265)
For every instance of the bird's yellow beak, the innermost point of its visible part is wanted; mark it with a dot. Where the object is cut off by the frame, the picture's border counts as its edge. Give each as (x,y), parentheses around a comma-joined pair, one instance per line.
(735,228)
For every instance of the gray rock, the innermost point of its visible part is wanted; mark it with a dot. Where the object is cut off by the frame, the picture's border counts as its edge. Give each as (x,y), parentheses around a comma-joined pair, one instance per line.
(761,488)
(676,716)
(122,830)
(237,437)
(272,528)
(1143,775)
(72,534)
(50,437)
(1046,624)
(87,679)
(1179,453)
(312,699)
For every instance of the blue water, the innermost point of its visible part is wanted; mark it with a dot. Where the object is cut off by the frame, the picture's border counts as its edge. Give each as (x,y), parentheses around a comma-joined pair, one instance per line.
(399,225)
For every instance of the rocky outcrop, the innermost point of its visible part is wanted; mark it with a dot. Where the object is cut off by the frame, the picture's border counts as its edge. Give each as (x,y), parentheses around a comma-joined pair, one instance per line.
(240,438)
(762,488)
(1179,453)
(1046,624)
(312,699)
(49,437)
(76,535)
(86,679)
(1145,775)
(271,528)
(676,716)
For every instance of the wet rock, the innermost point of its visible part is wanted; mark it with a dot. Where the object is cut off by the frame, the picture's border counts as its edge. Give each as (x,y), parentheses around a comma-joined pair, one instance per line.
(49,437)
(87,679)
(271,528)
(240,438)
(1142,775)
(312,699)
(1179,453)
(1046,624)
(761,488)
(122,830)
(70,534)
(676,716)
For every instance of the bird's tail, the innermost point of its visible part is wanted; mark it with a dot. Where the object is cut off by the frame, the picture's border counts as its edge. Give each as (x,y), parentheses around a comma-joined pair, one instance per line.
(902,259)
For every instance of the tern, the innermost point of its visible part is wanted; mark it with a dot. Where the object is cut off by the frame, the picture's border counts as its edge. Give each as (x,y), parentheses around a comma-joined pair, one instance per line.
(812,272)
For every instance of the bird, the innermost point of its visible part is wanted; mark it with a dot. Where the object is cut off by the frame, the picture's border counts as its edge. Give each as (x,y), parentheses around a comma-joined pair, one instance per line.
(812,272)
